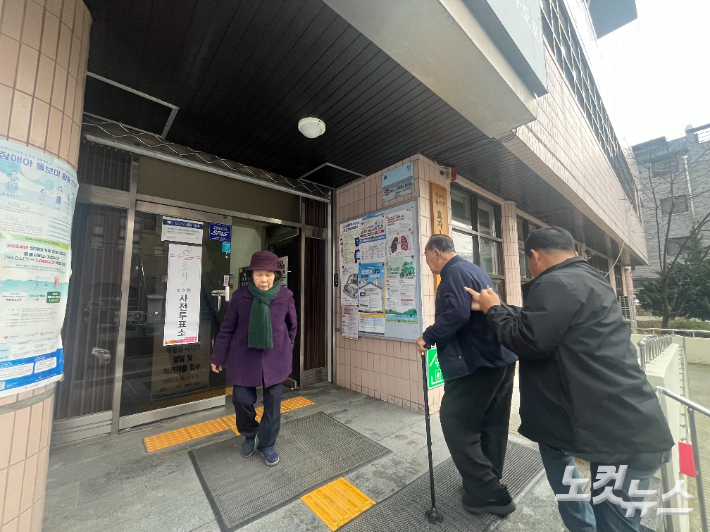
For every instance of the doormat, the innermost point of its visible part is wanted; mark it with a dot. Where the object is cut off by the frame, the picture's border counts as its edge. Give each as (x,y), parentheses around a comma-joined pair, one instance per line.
(404,510)
(313,450)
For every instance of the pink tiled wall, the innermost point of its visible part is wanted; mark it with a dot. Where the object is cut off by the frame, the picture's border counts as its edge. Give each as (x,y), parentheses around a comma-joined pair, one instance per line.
(24,456)
(44,49)
(389,370)
(511,259)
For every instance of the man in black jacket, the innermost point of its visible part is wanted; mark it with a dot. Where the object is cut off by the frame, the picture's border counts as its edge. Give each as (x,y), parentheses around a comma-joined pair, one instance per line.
(478,375)
(582,392)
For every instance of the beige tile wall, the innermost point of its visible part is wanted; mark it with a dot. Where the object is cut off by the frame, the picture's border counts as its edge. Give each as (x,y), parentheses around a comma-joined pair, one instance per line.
(24,456)
(561,147)
(386,369)
(44,52)
(43,56)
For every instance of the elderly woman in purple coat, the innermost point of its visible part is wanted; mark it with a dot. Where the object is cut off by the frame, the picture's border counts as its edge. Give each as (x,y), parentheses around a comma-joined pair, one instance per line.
(255,344)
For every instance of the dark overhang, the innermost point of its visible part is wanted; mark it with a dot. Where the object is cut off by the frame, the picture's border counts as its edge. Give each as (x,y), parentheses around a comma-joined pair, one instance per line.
(610,15)
(242,74)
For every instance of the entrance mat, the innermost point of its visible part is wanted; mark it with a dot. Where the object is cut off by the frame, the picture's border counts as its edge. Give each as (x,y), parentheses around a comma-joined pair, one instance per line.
(404,510)
(313,450)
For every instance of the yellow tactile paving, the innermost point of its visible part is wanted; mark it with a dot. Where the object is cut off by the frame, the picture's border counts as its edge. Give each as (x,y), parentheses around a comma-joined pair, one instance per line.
(337,503)
(206,428)
(168,439)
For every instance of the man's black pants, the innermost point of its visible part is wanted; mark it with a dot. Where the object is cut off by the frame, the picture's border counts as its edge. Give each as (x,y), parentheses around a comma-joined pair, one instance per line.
(475,413)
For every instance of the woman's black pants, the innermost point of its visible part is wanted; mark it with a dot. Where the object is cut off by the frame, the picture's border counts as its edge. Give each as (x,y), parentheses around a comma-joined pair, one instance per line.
(243,398)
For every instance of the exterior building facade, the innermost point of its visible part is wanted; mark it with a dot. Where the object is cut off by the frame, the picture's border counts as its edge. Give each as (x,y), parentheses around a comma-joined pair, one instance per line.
(192,116)
(674,177)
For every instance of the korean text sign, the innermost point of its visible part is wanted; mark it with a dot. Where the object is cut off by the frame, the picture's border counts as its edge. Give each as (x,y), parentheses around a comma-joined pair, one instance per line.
(37,198)
(182,300)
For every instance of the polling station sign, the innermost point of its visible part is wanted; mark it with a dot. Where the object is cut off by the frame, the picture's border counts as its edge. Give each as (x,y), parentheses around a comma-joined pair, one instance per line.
(220,232)
(37,198)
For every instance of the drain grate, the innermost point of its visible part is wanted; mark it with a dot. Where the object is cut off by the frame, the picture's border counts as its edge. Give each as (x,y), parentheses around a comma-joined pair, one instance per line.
(404,510)
(313,449)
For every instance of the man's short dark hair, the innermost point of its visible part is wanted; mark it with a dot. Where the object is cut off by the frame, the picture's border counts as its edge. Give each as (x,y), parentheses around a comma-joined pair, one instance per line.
(442,243)
(549,239)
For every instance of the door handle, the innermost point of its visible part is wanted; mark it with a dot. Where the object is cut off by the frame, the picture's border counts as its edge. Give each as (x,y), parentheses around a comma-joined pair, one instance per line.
(218,294)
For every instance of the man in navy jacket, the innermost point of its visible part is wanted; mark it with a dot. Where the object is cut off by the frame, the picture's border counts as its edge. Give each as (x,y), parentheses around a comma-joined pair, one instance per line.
(478,380)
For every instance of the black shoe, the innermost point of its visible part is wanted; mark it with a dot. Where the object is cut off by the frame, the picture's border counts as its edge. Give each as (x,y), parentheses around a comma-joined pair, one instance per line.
(499,503)
(500,510)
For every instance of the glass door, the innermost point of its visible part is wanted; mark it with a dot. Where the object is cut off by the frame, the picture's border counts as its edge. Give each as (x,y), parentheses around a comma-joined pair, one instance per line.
(155,375)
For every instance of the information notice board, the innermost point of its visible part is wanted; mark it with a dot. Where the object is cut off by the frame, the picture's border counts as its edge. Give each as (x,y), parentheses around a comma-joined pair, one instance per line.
(380,272)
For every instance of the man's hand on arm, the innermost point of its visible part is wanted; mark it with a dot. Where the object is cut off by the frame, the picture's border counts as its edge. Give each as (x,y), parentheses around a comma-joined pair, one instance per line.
(421,345)
(483,300)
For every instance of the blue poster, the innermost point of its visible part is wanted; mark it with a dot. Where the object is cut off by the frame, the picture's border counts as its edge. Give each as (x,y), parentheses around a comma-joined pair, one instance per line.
(220,232)
(398,182)
(37,197)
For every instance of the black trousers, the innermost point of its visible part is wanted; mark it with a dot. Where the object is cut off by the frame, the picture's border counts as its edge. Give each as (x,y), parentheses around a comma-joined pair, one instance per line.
(475,414)
(243,398)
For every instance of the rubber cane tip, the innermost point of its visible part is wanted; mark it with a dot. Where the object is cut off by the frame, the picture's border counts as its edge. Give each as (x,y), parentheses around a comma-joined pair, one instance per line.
(434,517)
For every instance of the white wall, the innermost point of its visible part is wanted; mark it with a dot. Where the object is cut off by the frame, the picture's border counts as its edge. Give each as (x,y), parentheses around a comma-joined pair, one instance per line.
(665,371)
(246,240)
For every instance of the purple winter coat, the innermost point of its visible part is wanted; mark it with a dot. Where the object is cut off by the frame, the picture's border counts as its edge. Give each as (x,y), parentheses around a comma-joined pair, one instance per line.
(244,364)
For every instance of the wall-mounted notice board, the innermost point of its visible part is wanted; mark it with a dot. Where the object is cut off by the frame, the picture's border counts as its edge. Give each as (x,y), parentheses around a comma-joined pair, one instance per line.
(381,273)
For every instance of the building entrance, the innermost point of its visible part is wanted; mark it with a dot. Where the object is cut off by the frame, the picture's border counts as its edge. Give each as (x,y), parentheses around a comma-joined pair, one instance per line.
(132,357)
(157,374)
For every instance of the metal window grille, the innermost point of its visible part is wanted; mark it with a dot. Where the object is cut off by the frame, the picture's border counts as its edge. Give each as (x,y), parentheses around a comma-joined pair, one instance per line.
(562,39)
(628,307)
(96,128)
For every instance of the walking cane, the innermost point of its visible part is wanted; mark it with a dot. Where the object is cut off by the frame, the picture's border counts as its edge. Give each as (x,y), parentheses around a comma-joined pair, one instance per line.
(432,515)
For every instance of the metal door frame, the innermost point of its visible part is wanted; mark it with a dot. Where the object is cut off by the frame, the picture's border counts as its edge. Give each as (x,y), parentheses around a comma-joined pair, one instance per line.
(119,422)
(326,234)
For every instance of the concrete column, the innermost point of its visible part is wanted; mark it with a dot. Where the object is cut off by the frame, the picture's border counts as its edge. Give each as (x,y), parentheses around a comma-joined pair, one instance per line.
(628,281)
(511,261)
(612,277)
(44,50)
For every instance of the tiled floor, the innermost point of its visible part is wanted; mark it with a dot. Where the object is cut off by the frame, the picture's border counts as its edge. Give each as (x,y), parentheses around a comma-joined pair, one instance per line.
(112,484)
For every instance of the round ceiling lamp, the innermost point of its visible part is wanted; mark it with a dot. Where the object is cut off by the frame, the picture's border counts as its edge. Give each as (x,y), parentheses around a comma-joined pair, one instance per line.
(311,127)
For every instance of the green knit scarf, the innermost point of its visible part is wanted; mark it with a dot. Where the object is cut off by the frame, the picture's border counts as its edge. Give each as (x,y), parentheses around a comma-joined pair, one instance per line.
(260,332)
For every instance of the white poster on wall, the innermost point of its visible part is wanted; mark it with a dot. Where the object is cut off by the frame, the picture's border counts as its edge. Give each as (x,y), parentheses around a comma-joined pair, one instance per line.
(372,285)
(351,321)
(182,299)
(400,234)
(349,241)
(372,239)
(283,264)
(37,198)
(400,282)
(186,231)
(349,284)
(372,324)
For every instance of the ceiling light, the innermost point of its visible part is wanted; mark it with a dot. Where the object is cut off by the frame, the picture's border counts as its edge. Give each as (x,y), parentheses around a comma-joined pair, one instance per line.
(311,127)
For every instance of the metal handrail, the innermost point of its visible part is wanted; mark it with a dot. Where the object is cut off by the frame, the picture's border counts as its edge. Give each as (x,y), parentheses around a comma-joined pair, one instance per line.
(650,347)
(692,408)
(692,332)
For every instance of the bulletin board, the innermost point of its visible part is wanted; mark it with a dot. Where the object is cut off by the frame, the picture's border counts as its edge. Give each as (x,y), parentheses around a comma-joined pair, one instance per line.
(380,251)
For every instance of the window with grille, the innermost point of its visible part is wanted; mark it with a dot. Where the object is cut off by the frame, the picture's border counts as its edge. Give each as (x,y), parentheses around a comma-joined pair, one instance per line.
(674,204)
(599,263)
(524,229)
(561,37)
(476,232)
(619,280)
